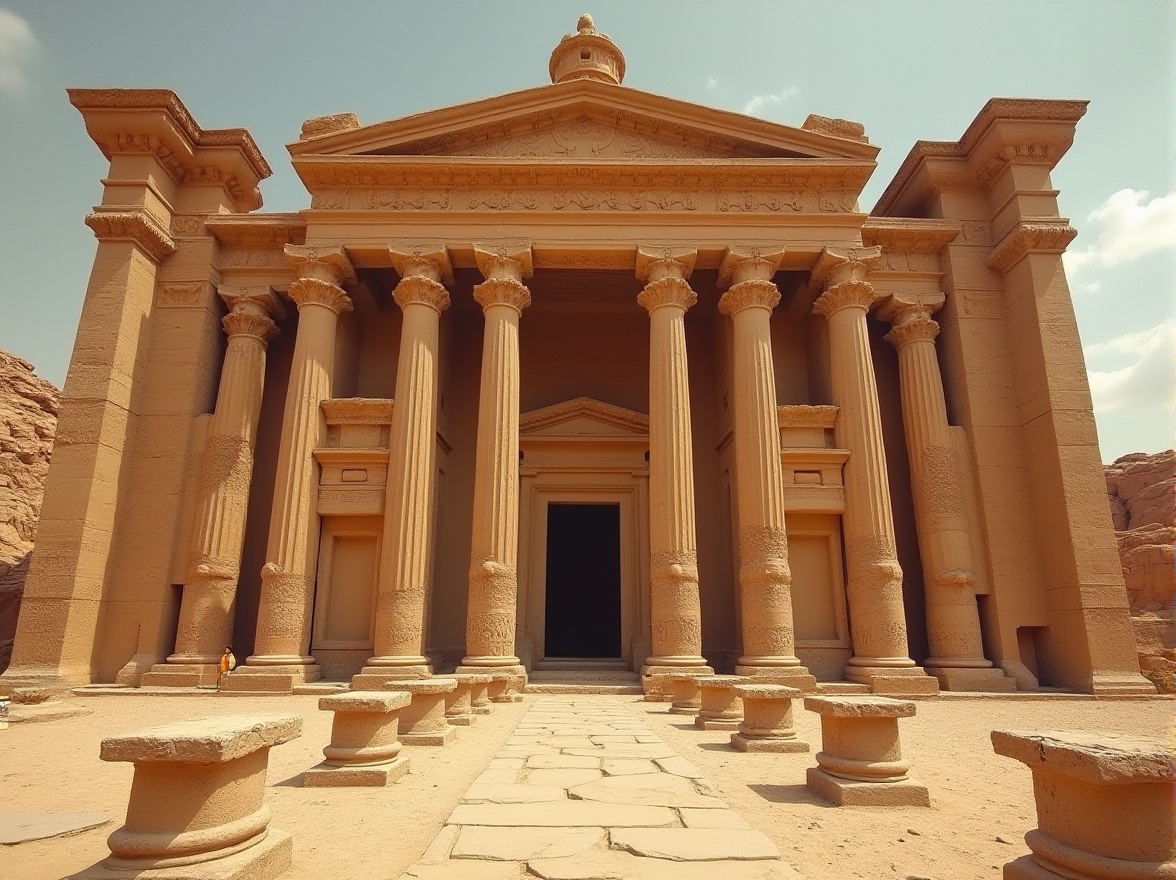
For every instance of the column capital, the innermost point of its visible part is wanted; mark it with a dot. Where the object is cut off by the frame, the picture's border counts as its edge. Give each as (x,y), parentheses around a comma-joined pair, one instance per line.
(313,291)
(667,291)
(243,323)
(838,265)
(258,300)
(910,317)
(917,326)
(328,263)
(845,295)
(745,262)
(426,259)
(655,262)
(752,293)
(509,260)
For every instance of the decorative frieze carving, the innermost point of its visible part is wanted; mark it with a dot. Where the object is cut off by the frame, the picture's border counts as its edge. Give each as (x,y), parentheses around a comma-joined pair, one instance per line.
(136,226)
(1021,154)
(184,296)
(1047,235)
(187,225)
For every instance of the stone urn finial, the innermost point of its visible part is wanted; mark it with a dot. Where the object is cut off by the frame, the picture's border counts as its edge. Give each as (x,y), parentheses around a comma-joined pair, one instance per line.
(587,54)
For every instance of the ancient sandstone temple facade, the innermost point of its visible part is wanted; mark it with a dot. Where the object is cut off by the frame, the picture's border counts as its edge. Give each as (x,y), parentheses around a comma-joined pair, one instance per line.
(577,373)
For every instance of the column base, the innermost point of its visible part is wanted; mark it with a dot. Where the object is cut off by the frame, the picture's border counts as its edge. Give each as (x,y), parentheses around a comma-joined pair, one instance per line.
(515,688)
(263,861)
(132,673)
(181,675)
(901,681)
(767,744)
(652,672)
(845,793)
(55,685)
(790,676)
(952,678)
(268,679)
(376,678)
(325,775)
(441,737)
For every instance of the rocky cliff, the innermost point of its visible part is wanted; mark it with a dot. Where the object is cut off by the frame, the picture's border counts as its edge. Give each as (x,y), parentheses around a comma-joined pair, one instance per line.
(28,419)
(1141,490)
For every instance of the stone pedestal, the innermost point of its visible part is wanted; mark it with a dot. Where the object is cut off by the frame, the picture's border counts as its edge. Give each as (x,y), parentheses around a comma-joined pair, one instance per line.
(767,724)
(206,608)
(364,750)
(675,611)
(721,707)
(480,702)
(505,685)
(874,578)
(493,575)
(406,549)
(860,762)
(459,704)
(281,655)
(423,721)
(1104,805)
(196,800)
(949,582)
(685,693)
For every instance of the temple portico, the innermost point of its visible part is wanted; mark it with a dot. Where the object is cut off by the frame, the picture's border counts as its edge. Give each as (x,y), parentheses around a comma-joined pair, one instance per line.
(576,377)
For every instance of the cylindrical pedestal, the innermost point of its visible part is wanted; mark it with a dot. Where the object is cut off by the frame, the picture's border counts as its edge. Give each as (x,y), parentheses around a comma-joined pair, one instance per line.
(423,721)
(687,697)
(767,720)
(721,707)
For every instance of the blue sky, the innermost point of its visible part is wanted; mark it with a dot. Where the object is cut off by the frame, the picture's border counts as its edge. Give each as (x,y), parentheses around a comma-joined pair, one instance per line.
(906,70)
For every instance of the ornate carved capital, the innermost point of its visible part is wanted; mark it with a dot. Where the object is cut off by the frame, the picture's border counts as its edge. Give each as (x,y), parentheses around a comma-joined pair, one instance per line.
(245,323)
(837,265)
(667,291)
(510,260)
(312,291)
(416,258)
(421,289)
(502,292)
(913,328)
(747,294)
(667,261)
(324,263)
(136,226)
(260,300)
(747,262)
(1045,236)
(848,294)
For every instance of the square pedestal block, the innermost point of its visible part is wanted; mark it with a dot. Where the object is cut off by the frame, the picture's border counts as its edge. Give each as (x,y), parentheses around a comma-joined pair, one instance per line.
(846,793)
(267,860)
(324,775)
(756,744)
(423,721)
(987,681)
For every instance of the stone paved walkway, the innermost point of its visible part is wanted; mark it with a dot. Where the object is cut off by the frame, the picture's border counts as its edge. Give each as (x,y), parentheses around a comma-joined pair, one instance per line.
(583,790)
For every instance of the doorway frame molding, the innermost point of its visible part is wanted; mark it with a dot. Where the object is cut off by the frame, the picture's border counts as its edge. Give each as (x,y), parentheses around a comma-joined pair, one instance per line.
(583,451)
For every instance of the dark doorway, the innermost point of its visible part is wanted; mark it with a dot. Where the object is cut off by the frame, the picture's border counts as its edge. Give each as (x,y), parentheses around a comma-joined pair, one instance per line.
(583,617)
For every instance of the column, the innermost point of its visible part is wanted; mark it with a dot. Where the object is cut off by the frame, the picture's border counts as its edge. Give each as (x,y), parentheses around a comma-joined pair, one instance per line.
(874,579)
(949,582)
(281,655)
(406,547)
(210,592)
(494,547)
(765,580)
(675,612)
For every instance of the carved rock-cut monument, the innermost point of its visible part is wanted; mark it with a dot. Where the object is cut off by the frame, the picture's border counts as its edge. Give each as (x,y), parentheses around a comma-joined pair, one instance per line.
(577,373)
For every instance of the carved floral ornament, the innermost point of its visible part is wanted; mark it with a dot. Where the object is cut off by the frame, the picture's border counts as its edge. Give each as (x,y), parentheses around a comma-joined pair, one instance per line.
(748,294)
(134,226)
(1047,235)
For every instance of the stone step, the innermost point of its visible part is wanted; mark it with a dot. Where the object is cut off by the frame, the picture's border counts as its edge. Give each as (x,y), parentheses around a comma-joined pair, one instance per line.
(582,687)
(841,687)
(592,676)
(581,664)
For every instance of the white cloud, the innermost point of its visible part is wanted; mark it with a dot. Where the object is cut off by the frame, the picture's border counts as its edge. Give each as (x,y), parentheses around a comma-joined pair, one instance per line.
(758,103)
(712,83)
(1125,227)
(1143,373)
(17,46)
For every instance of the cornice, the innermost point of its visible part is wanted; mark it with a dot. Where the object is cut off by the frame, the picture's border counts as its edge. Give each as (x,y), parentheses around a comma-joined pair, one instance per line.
(155,121)
(136,226)
(256,230)
(1046,235)
(910,235)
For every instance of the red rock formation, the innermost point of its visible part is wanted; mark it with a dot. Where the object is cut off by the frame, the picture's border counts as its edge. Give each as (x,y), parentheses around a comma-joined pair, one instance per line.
(28,419)
(1141,490)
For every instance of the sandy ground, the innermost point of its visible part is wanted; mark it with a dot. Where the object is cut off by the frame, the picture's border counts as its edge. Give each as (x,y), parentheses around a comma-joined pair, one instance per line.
(375,834)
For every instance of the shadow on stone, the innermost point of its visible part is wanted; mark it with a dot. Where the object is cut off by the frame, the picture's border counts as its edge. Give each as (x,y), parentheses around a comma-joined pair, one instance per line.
(789,794)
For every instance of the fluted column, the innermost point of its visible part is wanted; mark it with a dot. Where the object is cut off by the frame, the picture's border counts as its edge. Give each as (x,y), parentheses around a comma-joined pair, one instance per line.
(281,655)
(949,580)
(403,585)
(765,579)
(493,579)
(874,579)
(675,611)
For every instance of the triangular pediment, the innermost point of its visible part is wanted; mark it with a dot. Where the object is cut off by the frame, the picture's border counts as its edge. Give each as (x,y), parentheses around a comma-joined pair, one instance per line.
(583,119)
(585,417)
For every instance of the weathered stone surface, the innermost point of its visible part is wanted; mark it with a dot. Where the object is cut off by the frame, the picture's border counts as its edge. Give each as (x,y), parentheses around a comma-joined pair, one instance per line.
(562,778)
(23,827)
(524,843)
(694,844)
(1092,756)
(28,421)
(562,762)
(614,865)
(366,701)
(628,766)
(565,814)
(1140,488)
(205,740)
(860,707)
(695,818)
(507,793)
(663,790)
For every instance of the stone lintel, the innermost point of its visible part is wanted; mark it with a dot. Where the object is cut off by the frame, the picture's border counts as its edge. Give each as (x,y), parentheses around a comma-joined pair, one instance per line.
(211,740)
(376,702)
(860,707)
(1105,758)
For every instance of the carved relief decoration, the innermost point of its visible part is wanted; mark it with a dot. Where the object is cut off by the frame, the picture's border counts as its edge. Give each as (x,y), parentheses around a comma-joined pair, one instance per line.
(187,225)
(134,225)
(1044,236)
(180,296)
(357,411)
(804,416)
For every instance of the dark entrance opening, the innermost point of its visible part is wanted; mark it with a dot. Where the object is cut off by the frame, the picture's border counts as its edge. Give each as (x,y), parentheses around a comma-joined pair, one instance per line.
(583,616)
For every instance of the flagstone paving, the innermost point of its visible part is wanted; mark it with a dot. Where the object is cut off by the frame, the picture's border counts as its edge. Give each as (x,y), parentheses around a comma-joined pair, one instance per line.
(582,790)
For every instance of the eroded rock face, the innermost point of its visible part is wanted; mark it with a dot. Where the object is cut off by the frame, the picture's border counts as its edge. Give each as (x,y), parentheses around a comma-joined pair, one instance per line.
(28,420)
(1141,490)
